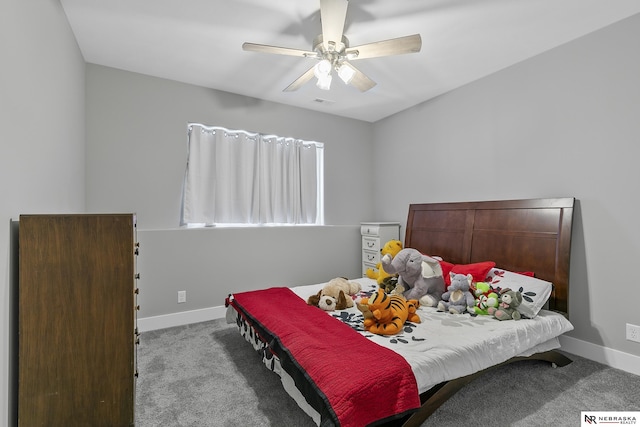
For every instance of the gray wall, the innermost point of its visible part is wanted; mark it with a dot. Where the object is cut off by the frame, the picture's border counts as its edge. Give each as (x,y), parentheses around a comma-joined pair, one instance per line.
(136,158)
(210,264)
(41,142)
(137,144)
(565,123)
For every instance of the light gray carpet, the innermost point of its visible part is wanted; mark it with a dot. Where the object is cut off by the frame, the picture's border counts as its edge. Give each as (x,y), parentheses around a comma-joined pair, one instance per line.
(206,374)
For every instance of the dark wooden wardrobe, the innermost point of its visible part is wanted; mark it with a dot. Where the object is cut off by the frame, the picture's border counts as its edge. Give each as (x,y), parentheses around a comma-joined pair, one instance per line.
(77,320)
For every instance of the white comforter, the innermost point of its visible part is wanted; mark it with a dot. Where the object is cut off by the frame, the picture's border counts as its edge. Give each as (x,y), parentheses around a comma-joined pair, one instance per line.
(447,346)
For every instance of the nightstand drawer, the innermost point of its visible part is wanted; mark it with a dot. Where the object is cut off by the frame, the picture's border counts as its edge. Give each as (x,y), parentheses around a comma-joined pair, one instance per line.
(370,257)
(370,230)
(365,266)
(371,244)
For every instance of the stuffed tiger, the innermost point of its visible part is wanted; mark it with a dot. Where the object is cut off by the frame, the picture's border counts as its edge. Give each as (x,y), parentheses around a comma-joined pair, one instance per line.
(385,314)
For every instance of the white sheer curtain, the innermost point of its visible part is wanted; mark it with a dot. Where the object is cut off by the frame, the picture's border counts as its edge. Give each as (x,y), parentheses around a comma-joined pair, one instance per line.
(237,177)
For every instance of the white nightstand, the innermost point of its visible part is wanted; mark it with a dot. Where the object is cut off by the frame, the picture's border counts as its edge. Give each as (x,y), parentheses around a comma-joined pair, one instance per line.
(374,236)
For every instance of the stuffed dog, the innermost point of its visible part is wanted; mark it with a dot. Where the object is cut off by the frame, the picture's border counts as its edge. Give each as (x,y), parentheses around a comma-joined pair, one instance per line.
(335,295)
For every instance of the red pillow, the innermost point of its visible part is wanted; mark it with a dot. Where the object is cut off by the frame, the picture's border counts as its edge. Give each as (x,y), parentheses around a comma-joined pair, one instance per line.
(446,268)
(526,273)
(478,270)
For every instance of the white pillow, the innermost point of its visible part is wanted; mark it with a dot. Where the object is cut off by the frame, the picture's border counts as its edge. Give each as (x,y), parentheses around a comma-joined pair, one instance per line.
(535,292)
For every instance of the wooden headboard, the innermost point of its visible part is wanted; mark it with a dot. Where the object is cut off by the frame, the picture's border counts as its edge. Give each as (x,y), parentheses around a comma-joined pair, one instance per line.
(518,235)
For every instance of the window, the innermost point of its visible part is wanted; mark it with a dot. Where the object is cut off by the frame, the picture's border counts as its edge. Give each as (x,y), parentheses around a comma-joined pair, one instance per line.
(236,177)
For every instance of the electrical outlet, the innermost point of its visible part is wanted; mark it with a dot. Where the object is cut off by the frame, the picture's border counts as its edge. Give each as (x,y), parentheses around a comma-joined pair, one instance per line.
(182,296)
(633,332)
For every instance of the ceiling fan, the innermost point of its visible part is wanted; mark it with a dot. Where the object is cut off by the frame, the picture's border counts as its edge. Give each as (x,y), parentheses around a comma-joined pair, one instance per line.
(332,50)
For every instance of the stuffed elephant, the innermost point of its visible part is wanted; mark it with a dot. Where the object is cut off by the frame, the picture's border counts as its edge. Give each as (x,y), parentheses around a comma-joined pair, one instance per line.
(458,298)
(419,275)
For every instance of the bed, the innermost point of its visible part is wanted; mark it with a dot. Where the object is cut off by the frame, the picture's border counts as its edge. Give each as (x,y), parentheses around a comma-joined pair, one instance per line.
(341,374)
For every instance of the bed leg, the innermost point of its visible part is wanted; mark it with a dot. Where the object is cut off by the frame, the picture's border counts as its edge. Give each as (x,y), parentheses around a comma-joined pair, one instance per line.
(556,359)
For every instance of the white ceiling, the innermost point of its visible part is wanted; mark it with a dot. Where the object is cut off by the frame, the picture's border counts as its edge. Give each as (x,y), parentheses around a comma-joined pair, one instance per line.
(200,42)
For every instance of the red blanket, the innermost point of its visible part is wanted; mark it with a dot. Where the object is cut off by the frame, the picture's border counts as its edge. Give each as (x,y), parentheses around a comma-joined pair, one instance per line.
(360,381)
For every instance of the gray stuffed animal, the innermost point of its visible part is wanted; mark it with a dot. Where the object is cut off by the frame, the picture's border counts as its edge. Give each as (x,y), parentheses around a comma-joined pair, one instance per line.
(509,301)
(419,276)
(458,298)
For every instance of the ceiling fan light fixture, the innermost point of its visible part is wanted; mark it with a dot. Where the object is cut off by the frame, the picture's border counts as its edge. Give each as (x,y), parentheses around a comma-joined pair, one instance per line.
(322,68)
(346,73)
(324,82)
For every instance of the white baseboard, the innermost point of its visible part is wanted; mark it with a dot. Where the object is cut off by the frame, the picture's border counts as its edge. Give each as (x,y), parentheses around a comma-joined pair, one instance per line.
(607,356)
(178,319)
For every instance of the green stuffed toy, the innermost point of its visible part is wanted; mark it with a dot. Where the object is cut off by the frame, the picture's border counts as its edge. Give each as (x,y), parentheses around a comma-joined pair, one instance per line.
(389,284)
(485,298)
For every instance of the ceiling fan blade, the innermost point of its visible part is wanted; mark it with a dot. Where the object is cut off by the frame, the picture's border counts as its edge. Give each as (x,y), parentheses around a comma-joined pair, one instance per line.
(399,46)
(333,14)
(359,79)
(263,48)
(297,83)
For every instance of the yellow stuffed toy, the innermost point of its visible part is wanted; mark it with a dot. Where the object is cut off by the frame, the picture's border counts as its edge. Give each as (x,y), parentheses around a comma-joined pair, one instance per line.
(392,247)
